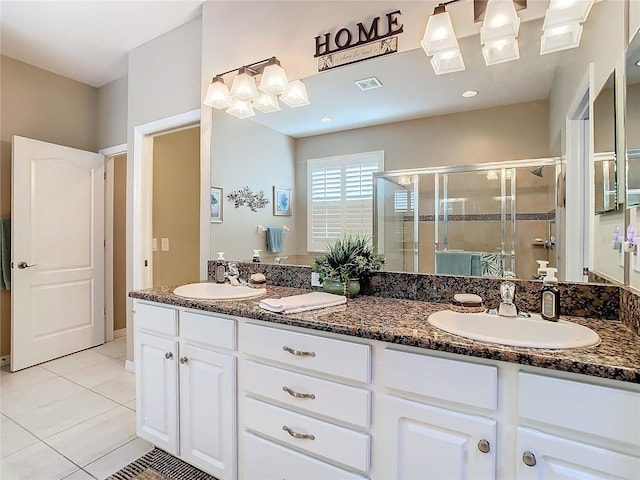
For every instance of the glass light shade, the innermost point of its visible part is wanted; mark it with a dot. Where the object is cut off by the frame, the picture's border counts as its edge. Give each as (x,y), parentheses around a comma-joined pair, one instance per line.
(241,109)
(567,11)
(500,20)
(244,86)
(217,94)
(447,62)
(559,38)
(274,79)
(501,50)
(296,96)
(439,35)
(266,102)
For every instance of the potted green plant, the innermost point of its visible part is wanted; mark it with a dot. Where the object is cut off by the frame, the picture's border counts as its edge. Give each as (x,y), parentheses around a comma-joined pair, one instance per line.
(345,264)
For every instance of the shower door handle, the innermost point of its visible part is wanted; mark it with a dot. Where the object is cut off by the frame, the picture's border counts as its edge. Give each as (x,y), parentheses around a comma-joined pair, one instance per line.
(22,265)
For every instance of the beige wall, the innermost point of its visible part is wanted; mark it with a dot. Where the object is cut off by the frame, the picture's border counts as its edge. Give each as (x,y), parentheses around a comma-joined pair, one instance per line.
(119,241)
(41,105)
(246,153)
(176,206)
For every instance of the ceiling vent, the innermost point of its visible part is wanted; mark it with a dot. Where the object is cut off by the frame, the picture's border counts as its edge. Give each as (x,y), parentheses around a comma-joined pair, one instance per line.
(368,83)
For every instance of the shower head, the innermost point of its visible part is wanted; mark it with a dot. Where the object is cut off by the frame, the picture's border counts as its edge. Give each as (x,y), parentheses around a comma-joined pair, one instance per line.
(537,171)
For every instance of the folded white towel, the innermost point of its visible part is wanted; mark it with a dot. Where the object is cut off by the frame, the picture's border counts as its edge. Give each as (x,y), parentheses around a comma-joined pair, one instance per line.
(302,303)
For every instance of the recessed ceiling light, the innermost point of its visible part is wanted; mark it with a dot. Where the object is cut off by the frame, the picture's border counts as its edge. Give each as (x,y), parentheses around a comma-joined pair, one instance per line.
(325,120)
(638,63)
(368,83)
(470,93)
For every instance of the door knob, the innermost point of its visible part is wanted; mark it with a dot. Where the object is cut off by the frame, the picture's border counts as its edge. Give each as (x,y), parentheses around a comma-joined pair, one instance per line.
(22,265)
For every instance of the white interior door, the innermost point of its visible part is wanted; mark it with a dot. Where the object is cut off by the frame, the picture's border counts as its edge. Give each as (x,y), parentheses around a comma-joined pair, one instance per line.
(57,251)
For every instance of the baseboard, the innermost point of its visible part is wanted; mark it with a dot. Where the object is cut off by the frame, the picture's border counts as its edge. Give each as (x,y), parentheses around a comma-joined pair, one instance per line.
(5,360)
(129,366)
(120,333)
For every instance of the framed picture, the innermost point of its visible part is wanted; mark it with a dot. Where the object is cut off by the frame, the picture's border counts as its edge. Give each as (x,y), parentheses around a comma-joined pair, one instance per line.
(216,204)
(281,201)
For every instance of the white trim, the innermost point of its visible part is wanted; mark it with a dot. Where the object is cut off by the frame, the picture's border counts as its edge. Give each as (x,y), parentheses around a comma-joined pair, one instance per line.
(579,200)
(121,332)
(115,150)
(108,248)
(129,366)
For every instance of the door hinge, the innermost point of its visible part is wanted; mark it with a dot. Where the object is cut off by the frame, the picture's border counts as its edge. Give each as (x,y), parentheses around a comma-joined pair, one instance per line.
(105,175)
(105,243)
(105,311)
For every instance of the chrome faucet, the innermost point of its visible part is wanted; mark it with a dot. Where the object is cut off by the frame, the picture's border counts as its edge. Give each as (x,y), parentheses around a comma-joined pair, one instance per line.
(507,295)
(278,260)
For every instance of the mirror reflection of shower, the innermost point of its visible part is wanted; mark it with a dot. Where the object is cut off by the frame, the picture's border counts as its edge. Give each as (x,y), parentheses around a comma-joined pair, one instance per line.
(475,220)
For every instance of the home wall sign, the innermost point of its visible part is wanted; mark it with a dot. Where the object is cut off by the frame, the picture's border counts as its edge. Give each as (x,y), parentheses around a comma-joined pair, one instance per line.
(345,47)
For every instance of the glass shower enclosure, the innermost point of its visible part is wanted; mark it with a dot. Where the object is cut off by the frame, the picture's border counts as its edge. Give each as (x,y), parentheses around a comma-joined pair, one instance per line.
(481,220)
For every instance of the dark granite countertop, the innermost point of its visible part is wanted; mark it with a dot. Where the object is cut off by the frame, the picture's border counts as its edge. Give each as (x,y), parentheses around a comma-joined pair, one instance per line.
(404,322)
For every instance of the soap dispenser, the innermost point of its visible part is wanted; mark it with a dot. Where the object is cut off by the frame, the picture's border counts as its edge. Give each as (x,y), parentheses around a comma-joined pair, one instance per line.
(550,296)
(542,269)
(220,269)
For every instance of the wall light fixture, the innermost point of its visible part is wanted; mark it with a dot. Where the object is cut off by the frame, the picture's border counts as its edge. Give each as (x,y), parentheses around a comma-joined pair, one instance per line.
(256,85)
(441,43)
(562,27)
(499,32)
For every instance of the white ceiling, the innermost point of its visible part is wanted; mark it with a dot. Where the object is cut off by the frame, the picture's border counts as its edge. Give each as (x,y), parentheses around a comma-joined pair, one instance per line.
(86,40)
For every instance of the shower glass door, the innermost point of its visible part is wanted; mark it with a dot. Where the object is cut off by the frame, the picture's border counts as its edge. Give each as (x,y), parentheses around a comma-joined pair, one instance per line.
(474,232)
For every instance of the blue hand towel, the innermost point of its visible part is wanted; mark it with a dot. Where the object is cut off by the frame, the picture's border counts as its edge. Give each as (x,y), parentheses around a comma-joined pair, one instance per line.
(274,239)
(5,254)
(453,263)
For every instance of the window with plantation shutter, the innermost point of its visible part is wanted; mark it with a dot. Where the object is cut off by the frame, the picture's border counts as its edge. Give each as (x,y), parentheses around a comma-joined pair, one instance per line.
(401,202)
(340,197)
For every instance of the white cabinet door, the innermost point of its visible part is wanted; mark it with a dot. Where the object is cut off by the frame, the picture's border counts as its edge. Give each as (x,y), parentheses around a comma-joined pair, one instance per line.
(157,390)
(432,443)
(554,458)
(207,411)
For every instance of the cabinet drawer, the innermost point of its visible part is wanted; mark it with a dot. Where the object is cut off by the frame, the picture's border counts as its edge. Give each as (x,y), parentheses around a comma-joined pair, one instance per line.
(208,329)
(335,443)
(266,460)
(341,402)
(156,318)
(335,357)
(602,411)
(449,380)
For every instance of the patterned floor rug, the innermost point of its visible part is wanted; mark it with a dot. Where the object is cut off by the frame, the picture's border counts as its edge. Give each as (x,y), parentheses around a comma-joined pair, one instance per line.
(159,465)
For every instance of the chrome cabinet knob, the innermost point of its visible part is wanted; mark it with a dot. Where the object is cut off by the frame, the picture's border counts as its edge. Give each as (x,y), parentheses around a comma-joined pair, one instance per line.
(184,360)
(484,446)
(168,355)
(529,459)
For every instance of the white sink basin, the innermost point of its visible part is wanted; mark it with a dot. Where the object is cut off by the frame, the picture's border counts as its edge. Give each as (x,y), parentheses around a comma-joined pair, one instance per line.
(218,291)
(534,332)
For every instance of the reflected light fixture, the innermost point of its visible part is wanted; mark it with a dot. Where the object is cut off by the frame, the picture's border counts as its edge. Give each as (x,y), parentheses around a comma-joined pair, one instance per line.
(440,43)
(296,96)
(258,86)
(562,27)
(499,32)
(470,93)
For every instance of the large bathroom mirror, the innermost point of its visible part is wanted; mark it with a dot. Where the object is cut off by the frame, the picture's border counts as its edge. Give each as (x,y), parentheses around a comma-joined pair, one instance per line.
(604,143)
(422,120)
(632,120)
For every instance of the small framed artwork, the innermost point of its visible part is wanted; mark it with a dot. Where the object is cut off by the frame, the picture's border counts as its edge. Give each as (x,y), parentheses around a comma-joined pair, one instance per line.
(216,204)
(281,201)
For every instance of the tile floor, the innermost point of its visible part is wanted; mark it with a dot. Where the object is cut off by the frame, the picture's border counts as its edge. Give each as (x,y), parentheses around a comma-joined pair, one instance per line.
(71,418)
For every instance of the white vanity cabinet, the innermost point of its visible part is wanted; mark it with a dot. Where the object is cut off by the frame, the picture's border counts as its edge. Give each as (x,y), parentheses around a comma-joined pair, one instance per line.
(570,430)
(185,385)
(430,442)
(305,408)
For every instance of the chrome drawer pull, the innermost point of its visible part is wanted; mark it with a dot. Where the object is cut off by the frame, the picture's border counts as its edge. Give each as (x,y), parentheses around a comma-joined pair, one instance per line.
(184,360)
(302,436)
(168,355)
(298,352)
(298,395)
(529,459)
